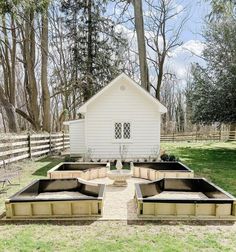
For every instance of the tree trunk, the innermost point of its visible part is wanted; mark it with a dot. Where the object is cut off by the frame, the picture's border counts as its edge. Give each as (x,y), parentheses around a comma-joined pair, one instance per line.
(3,121)
(73,102)
(164,123)
(88,89)
(44,81)
(13,63)
(25,116)
(31,84)
(139,27)
(158,90)
(7,66)
(7,96)
(10,112)
(159,79)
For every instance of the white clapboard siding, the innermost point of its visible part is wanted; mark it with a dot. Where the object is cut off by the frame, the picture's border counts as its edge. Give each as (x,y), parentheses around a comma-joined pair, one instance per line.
(122,105)
(120,101)
(77,137)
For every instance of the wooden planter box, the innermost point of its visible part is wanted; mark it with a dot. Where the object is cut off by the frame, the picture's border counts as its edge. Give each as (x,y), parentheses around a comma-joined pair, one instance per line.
(54,198)
(83,170)
(159,170)
(179,198)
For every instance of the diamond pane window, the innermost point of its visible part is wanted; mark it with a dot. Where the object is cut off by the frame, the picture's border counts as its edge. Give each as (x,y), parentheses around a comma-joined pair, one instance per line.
(118,130)
(122,130)
(126,130)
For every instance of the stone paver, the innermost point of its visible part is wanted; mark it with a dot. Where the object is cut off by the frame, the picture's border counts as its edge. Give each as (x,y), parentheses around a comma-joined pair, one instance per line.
(119,202)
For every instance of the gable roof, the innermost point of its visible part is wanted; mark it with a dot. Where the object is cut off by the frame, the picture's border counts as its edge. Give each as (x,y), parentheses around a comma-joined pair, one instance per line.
(152,99)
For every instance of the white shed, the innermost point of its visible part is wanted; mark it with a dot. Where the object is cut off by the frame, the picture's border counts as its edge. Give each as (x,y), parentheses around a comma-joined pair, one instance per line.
(120,121)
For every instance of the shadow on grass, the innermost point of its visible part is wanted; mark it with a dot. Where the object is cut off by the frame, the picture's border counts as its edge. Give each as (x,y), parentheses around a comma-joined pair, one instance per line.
(218,165)
(47,164)
(201,157)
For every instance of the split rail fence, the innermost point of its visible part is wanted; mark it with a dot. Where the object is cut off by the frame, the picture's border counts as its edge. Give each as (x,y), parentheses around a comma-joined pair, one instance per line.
(199,136)
(14,148)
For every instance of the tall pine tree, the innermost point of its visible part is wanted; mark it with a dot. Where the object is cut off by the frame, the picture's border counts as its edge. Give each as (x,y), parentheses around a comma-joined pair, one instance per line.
(96,46)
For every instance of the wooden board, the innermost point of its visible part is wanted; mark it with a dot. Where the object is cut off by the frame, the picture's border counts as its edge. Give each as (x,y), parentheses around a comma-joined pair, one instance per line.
(51,209)
(88,174)
(151,174)
(186,210)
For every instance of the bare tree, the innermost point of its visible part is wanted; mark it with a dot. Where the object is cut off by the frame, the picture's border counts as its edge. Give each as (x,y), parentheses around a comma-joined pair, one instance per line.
(44,72)
(8,62)
(28,49)
(10,111)
(126,16)
(63,81)
(18,53)
(164,23)
(173,97)
(168,99)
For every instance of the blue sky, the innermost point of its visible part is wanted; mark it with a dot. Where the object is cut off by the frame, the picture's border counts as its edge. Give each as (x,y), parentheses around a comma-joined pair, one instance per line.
(192,38)
(199,9)
(181,58)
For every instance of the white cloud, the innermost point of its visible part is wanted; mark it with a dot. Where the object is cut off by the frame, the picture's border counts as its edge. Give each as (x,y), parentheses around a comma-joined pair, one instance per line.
(179,60)
(194,46)
(183,56)
(179,8)
(126,31)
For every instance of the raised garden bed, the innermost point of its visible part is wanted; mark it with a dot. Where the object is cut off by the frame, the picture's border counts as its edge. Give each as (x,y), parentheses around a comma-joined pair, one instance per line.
(158,170)
(83,170)
(194,198)
(46,198)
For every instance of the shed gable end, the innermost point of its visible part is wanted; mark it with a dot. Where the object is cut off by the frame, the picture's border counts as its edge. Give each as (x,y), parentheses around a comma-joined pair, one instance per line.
(124,81)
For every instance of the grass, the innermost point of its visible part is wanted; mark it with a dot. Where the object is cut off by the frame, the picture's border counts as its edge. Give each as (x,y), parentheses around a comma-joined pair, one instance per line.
(116,236)
(215,161)
(125,166)
(30,170)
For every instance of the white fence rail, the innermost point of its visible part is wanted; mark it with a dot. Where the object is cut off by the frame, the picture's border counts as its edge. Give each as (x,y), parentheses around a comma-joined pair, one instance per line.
(199,136)
(14,148)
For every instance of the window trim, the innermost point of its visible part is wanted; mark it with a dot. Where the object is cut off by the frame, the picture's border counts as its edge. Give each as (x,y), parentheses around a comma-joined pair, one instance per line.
(121,140)
(121,130)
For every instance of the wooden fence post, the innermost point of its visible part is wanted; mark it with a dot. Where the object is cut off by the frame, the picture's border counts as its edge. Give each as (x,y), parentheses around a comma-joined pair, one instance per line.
(50,143)
(29,145)
(63,140)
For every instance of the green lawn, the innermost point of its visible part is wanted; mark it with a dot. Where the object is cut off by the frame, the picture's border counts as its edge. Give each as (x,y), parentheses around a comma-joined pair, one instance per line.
(30,170)
(215,161)
(117,236)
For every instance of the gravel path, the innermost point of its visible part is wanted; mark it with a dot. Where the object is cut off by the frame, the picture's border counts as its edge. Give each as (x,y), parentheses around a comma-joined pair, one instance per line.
(119,202)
